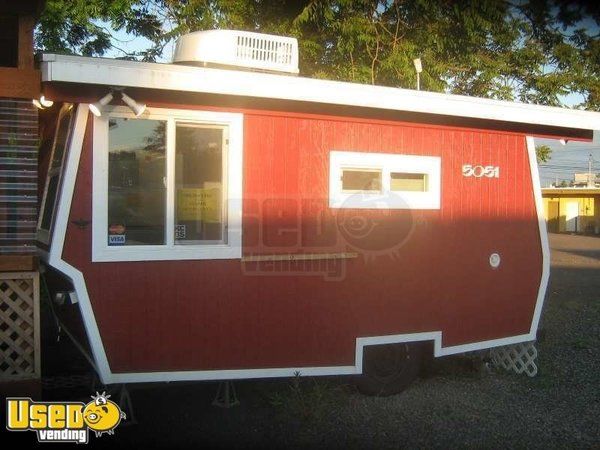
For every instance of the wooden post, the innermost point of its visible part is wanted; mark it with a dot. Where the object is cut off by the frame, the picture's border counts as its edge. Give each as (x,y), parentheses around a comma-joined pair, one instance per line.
(26,26)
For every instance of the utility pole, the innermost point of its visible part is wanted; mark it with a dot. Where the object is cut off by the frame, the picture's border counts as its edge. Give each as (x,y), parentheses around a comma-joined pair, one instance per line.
(591,183)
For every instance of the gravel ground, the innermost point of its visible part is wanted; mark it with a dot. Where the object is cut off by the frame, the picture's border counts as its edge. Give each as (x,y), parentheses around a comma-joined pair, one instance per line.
(458,403)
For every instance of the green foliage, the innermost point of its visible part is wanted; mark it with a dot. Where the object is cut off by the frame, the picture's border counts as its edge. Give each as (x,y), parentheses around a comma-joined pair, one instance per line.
(543,153)
(76,26)
(535,51)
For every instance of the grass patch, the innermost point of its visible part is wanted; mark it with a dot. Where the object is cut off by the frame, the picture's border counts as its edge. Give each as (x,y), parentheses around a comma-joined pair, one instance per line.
(305,398)
(584,343)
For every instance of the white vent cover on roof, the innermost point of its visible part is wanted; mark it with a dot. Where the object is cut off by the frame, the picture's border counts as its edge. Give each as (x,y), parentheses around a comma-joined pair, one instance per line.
(238,48)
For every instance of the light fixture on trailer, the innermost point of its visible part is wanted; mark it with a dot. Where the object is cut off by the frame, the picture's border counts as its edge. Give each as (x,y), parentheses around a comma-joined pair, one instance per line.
(96,108)
(42,103)
(45,102)
(137,108)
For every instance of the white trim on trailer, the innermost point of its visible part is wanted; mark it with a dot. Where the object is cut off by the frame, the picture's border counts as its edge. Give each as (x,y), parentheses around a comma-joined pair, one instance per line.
(98,351)
(59,234)
(361,343)
(112,72)
(539,206)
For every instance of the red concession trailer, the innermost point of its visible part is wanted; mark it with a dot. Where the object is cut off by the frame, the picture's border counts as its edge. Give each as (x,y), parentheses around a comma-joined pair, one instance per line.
(221,218)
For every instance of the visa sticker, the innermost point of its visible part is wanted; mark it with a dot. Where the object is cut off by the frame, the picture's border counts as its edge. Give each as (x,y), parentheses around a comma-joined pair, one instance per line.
(116,239)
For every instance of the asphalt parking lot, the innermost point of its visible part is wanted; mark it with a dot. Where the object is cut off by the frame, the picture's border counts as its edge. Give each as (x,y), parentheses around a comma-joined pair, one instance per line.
(458,403)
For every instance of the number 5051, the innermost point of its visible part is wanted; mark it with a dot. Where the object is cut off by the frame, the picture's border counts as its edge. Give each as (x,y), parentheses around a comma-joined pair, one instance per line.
(469,170)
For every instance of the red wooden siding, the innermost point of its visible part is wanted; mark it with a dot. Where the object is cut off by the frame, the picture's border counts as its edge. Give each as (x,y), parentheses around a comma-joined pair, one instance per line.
(417,270)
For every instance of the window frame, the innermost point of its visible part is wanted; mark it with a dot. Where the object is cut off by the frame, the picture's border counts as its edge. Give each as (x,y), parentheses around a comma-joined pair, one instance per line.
(232,123)
(387,163)
(44,235)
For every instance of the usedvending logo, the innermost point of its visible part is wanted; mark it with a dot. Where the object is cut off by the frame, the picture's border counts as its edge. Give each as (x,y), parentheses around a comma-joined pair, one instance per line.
(64,421)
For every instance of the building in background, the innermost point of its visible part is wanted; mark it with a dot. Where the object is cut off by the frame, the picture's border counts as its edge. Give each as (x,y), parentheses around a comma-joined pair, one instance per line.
(586,179)
(572,209)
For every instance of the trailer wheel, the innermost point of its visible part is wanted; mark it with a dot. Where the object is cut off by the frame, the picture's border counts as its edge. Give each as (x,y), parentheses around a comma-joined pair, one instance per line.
(389,369)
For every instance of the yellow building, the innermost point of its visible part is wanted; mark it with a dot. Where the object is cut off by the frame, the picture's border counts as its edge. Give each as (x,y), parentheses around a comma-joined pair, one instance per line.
(574,210)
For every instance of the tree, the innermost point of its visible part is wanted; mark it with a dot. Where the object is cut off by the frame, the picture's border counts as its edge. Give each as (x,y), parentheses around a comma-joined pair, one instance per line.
(82,26)
(535,51)
(542,153)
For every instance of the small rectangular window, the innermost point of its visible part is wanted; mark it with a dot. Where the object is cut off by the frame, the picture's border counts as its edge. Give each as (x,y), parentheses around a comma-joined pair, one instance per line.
(408,182)
(60,143)
(361,180)
(52,189)
(199,184)
(136,182)
(62,136)
(385,180)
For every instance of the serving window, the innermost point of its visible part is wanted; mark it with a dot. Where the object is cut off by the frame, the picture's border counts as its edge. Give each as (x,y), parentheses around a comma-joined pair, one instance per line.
(200,216)
(137,170)
(167,185)
(384,181)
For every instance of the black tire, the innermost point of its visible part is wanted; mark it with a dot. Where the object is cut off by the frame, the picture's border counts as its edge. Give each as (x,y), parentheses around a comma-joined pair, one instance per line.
(389,369)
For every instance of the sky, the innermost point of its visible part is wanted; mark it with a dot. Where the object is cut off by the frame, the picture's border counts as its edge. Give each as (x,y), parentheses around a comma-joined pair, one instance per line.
(568,159)
(565,159)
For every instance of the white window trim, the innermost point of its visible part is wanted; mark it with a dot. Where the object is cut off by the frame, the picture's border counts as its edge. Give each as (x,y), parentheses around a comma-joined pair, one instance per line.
(387,163)
(102,252)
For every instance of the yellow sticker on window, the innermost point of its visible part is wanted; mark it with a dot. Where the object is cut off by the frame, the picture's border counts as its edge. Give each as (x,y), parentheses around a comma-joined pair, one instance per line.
(196,204)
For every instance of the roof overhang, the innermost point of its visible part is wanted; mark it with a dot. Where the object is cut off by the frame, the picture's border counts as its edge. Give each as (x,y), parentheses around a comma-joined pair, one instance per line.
(530,119)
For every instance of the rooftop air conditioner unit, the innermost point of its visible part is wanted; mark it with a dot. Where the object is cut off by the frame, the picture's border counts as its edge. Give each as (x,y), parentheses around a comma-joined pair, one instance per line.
(239,49)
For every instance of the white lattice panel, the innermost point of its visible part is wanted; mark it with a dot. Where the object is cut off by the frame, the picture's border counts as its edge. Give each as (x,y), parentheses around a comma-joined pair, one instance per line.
(19,325)
(518,357)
